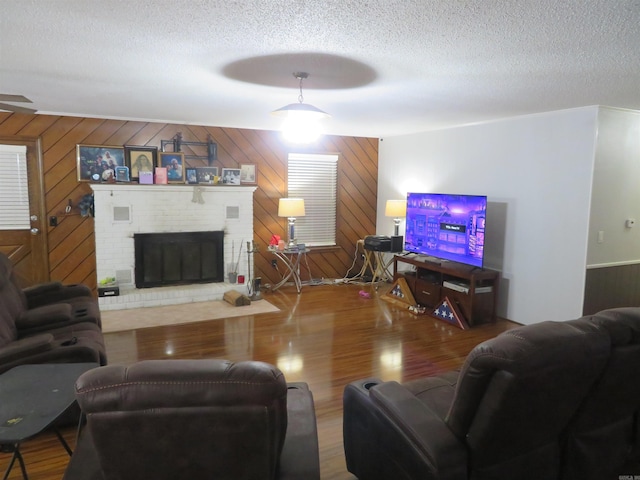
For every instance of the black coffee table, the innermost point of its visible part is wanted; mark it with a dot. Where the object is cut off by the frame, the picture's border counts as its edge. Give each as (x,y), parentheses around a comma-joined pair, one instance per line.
(32,397)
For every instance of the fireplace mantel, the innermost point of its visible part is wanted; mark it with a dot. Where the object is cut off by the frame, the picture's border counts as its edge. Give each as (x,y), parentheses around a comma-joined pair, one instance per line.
(121,210)
(169,188)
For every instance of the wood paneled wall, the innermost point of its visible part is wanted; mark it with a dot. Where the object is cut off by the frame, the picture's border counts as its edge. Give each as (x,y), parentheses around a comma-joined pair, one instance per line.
(71,244)
(611,287)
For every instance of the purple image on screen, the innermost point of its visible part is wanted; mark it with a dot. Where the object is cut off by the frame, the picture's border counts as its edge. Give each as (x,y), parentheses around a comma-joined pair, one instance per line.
(449,227)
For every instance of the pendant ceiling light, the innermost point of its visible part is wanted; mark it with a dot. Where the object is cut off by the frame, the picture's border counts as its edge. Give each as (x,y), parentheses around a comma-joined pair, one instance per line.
(301,120)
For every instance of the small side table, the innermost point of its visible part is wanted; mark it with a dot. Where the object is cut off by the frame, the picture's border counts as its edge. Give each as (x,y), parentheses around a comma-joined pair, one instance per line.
(33,397)
(381,271)
(375,259)
(291,260)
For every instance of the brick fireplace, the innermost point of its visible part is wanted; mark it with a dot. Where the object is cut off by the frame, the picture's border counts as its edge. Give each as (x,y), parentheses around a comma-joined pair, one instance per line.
(124,210)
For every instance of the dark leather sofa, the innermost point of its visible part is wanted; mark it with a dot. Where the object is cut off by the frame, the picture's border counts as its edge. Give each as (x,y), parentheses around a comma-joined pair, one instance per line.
(554,400)
(194,419)
(47,323)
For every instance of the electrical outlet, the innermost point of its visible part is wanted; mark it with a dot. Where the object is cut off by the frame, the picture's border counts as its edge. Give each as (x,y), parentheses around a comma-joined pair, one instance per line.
(274,263)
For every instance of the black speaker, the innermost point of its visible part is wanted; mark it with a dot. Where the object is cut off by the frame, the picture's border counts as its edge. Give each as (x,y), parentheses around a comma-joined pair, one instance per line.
(397,243)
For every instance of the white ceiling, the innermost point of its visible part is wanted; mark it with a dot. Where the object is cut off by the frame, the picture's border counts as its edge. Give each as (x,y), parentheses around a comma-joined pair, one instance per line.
(379,67)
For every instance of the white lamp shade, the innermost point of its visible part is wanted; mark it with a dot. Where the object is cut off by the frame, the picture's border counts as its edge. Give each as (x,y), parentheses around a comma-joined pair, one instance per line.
(291,207)
(301,122)
(300,111)
(396,208)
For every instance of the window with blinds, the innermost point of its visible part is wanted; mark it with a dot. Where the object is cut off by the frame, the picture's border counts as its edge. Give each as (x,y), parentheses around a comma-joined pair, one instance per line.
(14,188)
(314,178)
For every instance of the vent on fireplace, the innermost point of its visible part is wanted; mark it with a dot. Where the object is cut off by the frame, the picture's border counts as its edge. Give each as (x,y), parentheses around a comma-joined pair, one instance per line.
(163,259)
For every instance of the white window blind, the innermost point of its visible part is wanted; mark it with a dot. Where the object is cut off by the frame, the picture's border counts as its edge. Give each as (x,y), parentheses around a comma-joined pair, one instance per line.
(314,178)
(14,188)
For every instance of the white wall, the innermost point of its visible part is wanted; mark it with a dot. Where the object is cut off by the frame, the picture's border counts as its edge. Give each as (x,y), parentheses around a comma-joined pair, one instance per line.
(537,172)
(616,190)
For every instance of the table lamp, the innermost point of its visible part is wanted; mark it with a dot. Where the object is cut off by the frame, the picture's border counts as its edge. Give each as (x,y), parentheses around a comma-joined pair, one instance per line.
(291,208)
(398,210)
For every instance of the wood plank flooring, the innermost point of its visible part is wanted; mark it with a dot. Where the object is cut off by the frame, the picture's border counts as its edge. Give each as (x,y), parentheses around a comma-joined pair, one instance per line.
(327,336)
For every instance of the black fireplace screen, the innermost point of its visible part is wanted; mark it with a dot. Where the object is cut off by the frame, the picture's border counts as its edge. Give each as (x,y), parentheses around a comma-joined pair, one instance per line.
(178,258)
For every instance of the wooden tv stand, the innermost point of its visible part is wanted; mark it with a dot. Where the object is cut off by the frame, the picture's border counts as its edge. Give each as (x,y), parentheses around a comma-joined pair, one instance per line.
(434,279)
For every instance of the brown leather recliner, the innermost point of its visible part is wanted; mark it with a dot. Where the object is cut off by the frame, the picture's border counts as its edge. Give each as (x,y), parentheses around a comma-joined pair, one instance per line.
(605,433)
(529,404)
(49,323)
(194,419)
(49,305)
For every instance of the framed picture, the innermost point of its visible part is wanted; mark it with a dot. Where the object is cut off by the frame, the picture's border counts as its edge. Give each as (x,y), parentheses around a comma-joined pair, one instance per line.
(122,174)
(97,163)
(192,176)
(249,174)
(231,176)
(207,175)
(140,159)
(174,163)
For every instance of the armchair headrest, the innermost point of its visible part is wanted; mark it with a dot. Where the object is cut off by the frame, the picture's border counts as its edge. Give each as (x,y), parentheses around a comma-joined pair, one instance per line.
(180,383)
(622,324)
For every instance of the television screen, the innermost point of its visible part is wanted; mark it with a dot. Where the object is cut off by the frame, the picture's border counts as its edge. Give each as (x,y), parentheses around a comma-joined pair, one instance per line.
(448,227)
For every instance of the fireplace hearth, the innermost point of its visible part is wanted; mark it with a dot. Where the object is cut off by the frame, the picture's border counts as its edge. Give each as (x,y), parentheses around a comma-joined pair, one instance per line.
(163,259)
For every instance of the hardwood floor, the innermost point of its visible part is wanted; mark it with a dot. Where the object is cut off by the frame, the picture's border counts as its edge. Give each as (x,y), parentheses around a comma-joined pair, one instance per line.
(327,336)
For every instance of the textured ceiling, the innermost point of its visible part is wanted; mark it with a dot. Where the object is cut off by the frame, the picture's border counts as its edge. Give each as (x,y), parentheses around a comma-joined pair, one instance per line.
(379,67)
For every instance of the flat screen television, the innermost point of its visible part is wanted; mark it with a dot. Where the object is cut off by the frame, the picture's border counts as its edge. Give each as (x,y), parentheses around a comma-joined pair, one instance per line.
(447,227)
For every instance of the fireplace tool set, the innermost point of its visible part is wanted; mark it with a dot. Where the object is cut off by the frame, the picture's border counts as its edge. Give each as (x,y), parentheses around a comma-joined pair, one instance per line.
(253,286)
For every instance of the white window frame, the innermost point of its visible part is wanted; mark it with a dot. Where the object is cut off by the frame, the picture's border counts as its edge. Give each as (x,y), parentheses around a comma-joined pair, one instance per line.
(14,188)
(314,178)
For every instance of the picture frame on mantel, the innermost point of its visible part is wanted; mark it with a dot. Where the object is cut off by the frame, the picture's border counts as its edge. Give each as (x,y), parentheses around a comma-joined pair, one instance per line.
(140,158)
(207,175)
(174,163)
(97,163)
(192,176)
(249,174)
(231,176)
